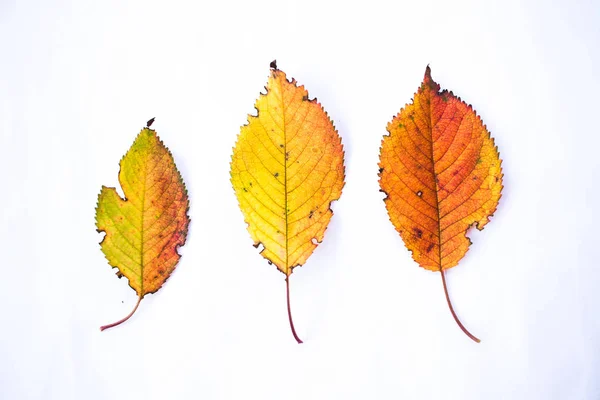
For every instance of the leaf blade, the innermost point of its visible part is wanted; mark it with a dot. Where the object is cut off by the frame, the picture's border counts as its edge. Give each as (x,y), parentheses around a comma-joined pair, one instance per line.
(442,173)
(286,169)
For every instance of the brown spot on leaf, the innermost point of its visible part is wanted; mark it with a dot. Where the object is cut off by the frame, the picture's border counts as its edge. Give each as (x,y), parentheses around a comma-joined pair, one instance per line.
(418,232)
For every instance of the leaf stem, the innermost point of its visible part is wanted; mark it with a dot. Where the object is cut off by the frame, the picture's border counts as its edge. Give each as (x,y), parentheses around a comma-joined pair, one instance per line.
(124,319)
(287,290)
(452,310)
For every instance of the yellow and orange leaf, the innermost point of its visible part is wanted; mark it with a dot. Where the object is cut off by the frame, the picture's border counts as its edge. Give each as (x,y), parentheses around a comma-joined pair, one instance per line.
(144,230)
(442,174)
(287,167)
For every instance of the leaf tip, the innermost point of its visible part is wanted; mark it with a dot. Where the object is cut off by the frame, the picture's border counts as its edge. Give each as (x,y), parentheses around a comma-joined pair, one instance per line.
(429,82)
(150,122)
(273,64)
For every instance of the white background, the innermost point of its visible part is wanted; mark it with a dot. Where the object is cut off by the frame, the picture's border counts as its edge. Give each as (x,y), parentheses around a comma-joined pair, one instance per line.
(79,79)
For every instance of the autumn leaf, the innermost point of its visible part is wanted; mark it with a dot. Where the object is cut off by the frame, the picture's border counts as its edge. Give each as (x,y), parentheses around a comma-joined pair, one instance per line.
(144,230)
(287,167)
(441,172)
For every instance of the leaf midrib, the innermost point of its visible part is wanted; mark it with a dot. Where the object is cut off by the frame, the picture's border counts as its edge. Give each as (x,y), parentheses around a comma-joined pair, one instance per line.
(144,187)
(435,182)
(285,191)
